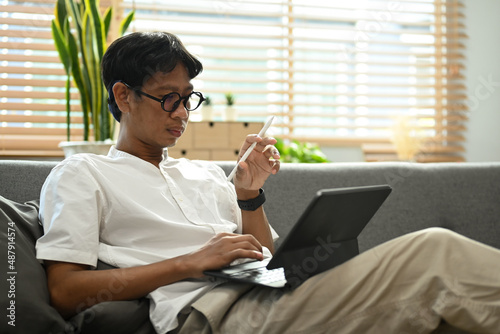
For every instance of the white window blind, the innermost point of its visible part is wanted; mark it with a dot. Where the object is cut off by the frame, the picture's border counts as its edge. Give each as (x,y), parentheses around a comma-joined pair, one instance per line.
(332,72)
(32,116)
(368,73)
(32,81)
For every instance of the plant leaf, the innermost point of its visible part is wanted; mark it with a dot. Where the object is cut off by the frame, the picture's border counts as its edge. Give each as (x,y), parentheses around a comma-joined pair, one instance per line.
(126,22)
(300,152)
(60,12)
(61,46)
(78,78)
(108,15)
(89,47)
(74,11)
(97,26)
(68,107)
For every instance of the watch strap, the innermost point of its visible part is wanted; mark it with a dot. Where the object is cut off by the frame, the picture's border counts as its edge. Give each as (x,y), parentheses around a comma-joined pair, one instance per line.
(254,203)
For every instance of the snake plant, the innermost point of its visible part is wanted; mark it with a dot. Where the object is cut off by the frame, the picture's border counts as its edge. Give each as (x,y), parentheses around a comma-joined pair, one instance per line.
(80,33)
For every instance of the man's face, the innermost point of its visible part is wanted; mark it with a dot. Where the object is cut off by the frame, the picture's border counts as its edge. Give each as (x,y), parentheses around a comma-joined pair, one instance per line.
(148,122)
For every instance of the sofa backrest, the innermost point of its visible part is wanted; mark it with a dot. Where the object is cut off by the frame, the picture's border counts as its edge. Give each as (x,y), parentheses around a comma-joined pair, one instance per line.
(463,197)
(22,180)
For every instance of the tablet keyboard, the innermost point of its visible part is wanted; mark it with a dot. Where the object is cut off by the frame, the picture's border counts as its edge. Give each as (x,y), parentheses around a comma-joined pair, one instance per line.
(262,275)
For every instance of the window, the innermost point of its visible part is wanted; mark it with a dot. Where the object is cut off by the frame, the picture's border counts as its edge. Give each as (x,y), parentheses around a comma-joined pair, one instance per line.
(383,75)
(32,81)
(32,113)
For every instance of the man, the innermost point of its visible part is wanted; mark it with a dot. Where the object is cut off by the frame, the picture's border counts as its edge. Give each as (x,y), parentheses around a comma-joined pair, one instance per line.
(163,221)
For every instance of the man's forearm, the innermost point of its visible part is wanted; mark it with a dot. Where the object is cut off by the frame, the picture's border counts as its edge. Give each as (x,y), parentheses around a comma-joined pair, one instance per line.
(256,223)
(73,288)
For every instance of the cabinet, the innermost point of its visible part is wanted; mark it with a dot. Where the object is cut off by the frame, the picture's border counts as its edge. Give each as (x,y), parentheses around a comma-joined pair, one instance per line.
(213,140)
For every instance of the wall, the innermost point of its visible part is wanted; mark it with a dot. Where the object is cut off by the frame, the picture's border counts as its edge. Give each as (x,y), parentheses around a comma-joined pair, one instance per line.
(483,80)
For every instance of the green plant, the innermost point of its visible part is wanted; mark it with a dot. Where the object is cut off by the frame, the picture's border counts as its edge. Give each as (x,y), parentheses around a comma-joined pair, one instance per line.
(80,31)
(300,152)
(229,99)
(208,101)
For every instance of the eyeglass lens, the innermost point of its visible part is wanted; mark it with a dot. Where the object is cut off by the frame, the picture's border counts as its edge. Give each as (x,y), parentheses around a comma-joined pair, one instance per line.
(172,100)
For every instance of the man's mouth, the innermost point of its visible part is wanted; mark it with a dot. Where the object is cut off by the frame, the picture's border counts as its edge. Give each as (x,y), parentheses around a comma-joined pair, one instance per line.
(176,132)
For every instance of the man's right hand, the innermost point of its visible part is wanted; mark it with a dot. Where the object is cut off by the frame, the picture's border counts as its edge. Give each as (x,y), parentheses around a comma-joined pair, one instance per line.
(221,250)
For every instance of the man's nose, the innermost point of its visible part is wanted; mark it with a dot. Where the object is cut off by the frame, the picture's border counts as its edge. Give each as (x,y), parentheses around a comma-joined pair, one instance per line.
(181,111)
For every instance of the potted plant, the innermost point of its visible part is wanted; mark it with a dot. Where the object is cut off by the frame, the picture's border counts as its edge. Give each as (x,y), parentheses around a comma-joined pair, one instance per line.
(300,152)
(80,32)
(207,110)
(230,111)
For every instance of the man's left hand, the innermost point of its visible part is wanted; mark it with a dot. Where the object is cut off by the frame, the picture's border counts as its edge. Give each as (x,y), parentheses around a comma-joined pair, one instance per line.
(262,162)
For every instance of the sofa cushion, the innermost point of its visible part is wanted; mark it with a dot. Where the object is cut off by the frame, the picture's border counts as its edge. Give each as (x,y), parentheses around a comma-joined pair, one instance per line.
(31,311)
(24,279)
(123,317)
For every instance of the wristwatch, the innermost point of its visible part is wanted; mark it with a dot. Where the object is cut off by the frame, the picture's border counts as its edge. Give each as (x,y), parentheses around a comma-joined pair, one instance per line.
(254,203)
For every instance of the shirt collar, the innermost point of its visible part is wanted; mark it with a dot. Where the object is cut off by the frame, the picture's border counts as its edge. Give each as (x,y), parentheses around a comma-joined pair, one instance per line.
(116,153)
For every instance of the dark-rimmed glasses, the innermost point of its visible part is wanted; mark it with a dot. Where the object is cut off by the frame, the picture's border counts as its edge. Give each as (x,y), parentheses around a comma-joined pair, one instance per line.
(170,102)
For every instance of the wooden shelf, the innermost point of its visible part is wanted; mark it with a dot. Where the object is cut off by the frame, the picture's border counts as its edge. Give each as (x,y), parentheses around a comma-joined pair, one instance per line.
(213,140)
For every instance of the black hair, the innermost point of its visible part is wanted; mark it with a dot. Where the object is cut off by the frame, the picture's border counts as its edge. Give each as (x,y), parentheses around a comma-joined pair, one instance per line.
(136,57)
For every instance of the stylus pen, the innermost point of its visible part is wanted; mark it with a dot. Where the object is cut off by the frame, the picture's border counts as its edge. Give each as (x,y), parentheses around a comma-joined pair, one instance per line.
(250,149)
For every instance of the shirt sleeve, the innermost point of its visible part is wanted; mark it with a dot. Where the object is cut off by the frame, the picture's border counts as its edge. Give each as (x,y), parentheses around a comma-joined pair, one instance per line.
(70,211)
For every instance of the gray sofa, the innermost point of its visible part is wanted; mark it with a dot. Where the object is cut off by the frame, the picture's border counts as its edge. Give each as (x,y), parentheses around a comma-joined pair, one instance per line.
(462,197)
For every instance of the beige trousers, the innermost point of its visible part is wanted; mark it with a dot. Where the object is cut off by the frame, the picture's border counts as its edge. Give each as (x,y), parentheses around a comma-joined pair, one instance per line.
(406,286)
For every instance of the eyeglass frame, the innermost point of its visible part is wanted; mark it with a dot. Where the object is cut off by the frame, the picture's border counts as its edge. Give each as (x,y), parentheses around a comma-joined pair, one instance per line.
(184,99)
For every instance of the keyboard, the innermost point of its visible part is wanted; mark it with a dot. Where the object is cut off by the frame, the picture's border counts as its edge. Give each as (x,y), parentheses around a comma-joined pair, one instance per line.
(261,275)
(254,272)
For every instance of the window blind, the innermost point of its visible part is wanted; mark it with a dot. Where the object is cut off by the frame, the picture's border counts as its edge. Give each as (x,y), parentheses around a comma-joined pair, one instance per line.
(32,81)
(382,75)
(30,77)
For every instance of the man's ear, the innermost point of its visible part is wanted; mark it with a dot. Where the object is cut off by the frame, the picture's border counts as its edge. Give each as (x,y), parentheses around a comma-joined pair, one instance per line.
(122,95)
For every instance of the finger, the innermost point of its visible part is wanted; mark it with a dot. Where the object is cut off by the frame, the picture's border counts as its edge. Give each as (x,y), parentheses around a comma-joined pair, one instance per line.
(242,253)
(246,247)
(242,169)
(247,145)
(269,141)
(271,152)
(265,142)
(275,166)
(246,241)
(253,243)
(262,143)
(250,139)
(223,235)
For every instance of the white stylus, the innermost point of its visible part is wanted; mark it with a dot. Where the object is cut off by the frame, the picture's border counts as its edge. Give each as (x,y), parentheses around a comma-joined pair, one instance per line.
(250,149)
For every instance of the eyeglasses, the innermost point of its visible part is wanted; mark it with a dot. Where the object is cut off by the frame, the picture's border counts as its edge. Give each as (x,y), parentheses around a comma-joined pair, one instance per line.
(170,102)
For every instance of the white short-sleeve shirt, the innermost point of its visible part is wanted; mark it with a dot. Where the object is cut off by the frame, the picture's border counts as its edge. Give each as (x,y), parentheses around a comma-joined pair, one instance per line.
(126,212)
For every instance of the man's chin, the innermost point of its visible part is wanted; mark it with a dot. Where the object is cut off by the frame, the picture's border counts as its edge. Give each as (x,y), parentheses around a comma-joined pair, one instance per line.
(172,143)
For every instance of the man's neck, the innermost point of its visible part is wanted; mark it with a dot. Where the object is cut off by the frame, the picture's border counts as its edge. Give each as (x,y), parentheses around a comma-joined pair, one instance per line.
(147,153)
